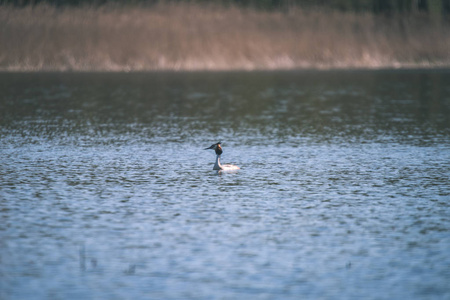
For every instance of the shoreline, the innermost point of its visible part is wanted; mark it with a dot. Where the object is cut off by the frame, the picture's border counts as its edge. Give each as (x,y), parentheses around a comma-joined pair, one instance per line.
(440,68)
(393,67)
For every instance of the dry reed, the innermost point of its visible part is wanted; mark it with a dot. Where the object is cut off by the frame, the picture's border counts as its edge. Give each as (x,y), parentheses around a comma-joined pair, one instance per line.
(193,37)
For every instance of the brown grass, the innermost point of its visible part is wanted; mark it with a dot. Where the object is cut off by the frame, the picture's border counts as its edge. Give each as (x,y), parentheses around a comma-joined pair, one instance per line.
(193,37)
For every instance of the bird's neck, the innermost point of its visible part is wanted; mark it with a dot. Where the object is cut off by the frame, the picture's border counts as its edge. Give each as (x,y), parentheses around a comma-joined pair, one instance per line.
(217,165)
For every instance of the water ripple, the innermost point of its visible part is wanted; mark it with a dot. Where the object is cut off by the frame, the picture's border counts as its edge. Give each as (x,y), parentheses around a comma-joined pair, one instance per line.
(108,193)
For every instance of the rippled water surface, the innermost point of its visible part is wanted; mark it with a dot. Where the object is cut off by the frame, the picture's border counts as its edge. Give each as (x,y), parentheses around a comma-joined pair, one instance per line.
(106,191)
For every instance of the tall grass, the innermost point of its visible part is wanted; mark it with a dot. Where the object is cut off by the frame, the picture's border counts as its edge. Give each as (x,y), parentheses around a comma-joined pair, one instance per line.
(192,37)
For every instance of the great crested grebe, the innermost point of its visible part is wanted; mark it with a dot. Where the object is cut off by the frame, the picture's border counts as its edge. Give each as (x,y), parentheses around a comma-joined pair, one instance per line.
(217,165)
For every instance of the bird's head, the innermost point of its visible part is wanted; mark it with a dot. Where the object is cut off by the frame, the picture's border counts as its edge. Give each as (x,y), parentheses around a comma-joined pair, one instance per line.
(216,147)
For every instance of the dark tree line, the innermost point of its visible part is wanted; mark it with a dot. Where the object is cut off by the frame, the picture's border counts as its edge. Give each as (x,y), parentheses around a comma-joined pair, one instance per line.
(374,6)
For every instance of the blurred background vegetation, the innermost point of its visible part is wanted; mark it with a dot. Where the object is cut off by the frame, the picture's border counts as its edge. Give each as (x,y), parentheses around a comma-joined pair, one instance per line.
(139,35)
(434,7)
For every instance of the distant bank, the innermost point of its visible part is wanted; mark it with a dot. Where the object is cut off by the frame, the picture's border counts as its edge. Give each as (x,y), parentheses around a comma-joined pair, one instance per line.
(192,37)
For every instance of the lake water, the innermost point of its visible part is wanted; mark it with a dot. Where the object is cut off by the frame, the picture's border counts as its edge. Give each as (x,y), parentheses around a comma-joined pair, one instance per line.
(106,191)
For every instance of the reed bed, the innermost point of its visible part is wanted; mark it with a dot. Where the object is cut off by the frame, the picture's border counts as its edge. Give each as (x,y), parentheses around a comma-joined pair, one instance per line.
(193,37)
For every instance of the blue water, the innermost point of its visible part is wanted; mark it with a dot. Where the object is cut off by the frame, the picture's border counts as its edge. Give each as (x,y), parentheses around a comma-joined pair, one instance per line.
(343,193)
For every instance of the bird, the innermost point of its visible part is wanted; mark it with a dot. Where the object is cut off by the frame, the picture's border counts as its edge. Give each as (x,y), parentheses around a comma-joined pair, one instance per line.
(217,165)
